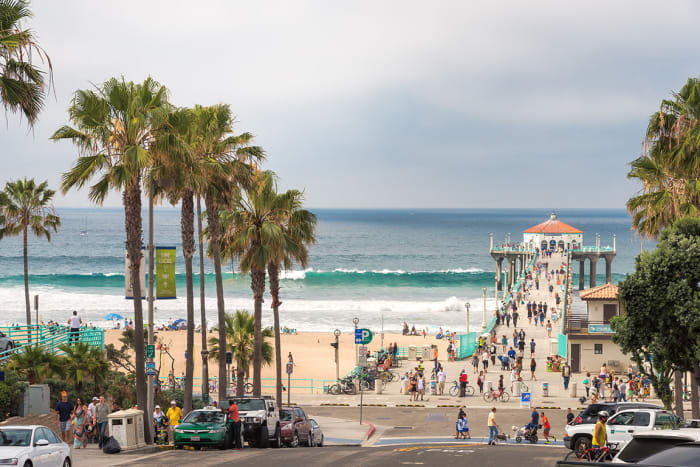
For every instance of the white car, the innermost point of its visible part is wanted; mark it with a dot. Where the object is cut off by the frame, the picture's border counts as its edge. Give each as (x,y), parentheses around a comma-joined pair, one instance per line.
(624,424)
(653,442)
(32,445)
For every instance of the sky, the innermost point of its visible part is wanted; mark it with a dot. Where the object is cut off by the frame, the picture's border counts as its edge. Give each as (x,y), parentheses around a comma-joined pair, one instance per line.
(392,104)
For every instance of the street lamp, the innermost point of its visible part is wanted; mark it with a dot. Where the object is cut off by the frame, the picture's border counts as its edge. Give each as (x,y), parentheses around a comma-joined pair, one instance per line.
(336,333)
(356,321)
(483,322)
(467,306)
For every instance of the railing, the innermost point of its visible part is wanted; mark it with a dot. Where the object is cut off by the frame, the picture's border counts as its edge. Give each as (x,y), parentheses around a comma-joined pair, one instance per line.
(310,384)
(50,338)
(583,324)
(592,249)
(515,248)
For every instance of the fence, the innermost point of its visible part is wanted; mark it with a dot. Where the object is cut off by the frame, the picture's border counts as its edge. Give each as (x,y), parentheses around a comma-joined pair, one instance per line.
(305,384)
(562,345)
(50,338)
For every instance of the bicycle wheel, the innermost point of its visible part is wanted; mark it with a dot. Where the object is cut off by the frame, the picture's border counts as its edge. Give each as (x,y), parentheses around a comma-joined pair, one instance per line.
(454,391)
(469,391)
(488,397)
(334,389)
(505,397)
(248,388)
(350,389)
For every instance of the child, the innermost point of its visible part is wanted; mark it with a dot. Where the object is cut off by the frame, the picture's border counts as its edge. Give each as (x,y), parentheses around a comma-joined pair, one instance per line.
(546,426)
(465,427)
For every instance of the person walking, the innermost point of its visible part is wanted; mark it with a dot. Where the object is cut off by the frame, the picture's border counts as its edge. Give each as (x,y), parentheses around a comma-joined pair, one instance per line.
(532,347)
(485,360)
(421,385)
(64,410)
(507,319)
(549,328)
(504,343)
(101,413)
(492,354)
(441,377)
(542,317)
(493,426)
(623,391)
(174,415)
(515,318)
(587,385)
(533,367)
(566,374)
(74,322)
(78,420)
(480,381)
(546,426)
(234,415)
(475,363)
(529,313)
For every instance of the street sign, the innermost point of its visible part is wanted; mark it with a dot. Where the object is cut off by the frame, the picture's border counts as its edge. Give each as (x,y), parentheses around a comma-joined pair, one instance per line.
(150,369)
(150,351)
(362,356)
(205,398)
(363,336)
(290,368)
(525,399)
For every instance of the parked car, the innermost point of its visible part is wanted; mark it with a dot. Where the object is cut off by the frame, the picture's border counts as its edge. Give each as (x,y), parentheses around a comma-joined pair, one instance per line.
(204,427)
(624,424)
(683,455)
(32,445)
(261,421)
(5,342)
(652,442)
(296,427)
(317,433)
(579,433)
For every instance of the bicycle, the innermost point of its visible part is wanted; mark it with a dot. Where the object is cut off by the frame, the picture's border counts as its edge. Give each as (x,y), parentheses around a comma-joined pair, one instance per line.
(455,389)
(344,386)
(495,394)
(595,454)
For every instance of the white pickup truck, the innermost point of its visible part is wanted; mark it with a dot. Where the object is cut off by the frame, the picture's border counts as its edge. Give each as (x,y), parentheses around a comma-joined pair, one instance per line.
(624,424)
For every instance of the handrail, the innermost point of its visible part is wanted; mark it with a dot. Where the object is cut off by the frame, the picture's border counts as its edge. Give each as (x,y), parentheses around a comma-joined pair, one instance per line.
(49,337)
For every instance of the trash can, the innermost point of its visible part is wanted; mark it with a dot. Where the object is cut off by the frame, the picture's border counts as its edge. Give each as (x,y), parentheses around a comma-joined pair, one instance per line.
(127,427)
(433,387)
(378,386)
(572,389)
(489,386)
(425,353)
(412,352)
(516,388)
(545,389)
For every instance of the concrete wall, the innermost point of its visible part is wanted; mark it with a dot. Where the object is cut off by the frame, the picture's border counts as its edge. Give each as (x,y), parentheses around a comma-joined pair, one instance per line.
(595,308)
(591,362)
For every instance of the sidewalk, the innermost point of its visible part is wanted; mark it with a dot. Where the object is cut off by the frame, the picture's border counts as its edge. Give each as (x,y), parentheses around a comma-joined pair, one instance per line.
(341,432)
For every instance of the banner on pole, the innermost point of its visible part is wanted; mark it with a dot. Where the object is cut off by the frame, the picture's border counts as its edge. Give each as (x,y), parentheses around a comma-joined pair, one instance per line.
(129,293)
(165,272)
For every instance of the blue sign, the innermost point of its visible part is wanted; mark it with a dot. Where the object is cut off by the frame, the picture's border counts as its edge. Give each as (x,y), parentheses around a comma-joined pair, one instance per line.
(358,336)
(600,329)
(525,397)
(150,369)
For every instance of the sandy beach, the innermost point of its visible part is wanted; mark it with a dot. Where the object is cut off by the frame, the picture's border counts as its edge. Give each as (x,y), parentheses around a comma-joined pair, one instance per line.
(312,352)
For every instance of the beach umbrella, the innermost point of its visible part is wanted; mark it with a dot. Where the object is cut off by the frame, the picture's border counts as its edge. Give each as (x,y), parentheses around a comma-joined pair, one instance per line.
(178,321)
(113,316)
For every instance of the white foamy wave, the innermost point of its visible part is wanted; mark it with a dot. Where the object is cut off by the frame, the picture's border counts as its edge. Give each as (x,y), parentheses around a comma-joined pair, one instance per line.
(294,275)
(305,315)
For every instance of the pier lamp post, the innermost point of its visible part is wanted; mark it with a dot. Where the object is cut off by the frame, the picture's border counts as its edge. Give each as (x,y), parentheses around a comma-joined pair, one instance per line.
(356,321)
(496,293)
(505,284)
(467,306)
(336,333)
(483,322)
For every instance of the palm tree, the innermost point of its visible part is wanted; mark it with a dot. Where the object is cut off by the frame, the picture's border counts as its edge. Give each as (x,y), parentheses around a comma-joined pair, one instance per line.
(669,167)
(82,361)
(203,326)
(35,364)
(240,330)
(26,206)
(23,86)
(222,163)
(253,233)
(298,225)
(113,133)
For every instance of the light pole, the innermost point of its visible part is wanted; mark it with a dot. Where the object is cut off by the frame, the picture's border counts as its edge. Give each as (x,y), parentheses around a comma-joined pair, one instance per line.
(483,322)
(336,333)
(356,321)
(496,292)
(467,306)
(505,284)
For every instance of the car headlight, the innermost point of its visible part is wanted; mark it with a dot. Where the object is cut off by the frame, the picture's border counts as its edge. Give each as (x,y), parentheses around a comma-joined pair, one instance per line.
(219,430)
(177,430)
(12,461)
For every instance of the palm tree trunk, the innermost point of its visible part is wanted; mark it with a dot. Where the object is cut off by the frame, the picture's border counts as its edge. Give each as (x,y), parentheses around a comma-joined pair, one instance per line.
(132,210)
(26,281)
(214,233)
(273,271)
(695,402)
(187,225)
(678,391)
(258,285)
(203,326)
(240,379)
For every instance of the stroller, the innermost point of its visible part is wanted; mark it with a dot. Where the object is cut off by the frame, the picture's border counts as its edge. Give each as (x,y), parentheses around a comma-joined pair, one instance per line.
(528,434)
(160,426)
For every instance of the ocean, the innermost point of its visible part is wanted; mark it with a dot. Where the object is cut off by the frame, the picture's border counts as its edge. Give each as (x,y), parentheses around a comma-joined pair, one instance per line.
(381,266)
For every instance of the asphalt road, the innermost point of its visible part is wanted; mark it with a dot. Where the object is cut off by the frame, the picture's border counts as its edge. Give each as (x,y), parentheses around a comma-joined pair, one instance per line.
(421,454)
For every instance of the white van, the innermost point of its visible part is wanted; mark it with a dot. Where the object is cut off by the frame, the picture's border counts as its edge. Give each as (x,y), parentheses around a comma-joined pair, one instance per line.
(653,442)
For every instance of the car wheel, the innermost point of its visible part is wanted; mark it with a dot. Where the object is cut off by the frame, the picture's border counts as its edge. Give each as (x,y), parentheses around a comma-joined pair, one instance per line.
(580,445)
(27,464)
(295,440)
(310,440)
(277,442)
(178,446)
(66,462)
(518,439)
(227,441)
(262,438)
(320,443)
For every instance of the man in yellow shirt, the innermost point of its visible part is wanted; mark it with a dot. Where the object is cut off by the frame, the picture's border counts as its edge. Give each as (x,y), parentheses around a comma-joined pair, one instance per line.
(600,435)
(174,415)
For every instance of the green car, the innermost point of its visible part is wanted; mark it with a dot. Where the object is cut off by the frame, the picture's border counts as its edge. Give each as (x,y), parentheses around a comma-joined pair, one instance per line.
(205,427)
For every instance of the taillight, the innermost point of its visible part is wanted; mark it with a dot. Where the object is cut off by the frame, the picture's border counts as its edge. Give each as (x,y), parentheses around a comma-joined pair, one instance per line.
(578,420)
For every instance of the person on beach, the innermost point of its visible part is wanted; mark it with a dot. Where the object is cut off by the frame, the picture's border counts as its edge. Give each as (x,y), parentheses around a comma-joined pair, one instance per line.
(533,366)
(64,410)
(78,420)
(74,322)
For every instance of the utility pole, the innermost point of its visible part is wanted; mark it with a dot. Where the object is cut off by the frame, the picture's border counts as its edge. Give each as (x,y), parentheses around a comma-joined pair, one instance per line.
(150,394)
(467,306)
(356,321)
(483,322)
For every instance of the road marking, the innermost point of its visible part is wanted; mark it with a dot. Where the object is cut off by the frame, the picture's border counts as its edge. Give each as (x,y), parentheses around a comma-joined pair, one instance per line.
(416,448)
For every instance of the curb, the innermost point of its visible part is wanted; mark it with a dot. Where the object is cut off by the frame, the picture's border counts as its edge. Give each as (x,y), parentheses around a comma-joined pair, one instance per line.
(335,405)
(372,405)
(452,405)
(409,405)
(291,404)
(548,407)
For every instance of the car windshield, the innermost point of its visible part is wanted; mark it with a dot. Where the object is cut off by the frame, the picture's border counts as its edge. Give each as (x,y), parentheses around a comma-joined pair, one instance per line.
(641,448)
(12,437)
(286,415)
(204,416)
(680,456)
(250,404)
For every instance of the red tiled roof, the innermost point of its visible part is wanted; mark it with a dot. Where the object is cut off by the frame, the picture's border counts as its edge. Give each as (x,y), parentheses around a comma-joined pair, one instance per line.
(602,292)
(553,226)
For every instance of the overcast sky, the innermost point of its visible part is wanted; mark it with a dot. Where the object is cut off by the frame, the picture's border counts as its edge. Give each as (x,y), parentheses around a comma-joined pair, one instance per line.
(388,104)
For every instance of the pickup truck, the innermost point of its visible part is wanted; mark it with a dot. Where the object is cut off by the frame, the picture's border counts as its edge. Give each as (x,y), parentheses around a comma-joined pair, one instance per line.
(624,424)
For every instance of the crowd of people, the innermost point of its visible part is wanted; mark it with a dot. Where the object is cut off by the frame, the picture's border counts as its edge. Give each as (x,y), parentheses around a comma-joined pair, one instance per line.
(80,423)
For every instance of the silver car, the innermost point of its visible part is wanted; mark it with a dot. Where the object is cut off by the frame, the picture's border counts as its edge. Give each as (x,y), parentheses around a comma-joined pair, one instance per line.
(33,445)
(317,433)
(5,342)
